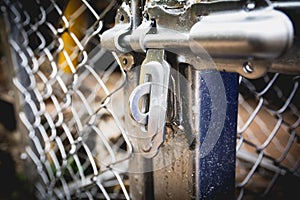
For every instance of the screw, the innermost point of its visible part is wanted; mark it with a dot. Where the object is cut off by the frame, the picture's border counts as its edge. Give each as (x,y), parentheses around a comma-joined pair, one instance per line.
(124,61)
(248,68)
(250,5)
(127,61)
(23,156)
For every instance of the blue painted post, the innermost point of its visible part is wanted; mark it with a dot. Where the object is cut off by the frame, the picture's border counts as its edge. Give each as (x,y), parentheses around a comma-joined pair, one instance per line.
(216,168)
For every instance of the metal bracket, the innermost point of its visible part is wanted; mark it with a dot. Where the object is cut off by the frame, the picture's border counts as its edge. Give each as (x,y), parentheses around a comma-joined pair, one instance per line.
(148,102)
(248,48)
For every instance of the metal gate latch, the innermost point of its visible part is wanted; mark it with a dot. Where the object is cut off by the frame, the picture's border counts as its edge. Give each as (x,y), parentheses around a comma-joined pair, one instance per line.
(148,102)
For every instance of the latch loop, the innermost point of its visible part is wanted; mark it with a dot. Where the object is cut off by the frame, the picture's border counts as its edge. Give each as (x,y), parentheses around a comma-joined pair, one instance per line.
(151,114)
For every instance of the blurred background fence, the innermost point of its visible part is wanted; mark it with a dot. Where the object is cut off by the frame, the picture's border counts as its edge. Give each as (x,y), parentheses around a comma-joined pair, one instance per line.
(67,95)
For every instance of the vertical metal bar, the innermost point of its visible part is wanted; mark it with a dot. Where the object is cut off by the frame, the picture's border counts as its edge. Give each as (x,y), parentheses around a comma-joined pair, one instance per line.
(176,179)
(205,170)
(136,8)
(11,65)
(140,168)
(216,168)
(7,32)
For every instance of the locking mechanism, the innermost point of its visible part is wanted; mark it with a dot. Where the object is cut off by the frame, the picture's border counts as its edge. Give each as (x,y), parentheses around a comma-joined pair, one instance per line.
(148,102)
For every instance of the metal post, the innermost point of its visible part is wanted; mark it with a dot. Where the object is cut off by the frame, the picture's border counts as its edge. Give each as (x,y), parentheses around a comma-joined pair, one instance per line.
(136,6)
(12,66)
(216,168)
(205,169)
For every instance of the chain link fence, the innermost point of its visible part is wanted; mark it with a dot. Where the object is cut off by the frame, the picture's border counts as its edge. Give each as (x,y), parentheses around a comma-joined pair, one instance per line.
(268,137)
(66,83)
(71,108)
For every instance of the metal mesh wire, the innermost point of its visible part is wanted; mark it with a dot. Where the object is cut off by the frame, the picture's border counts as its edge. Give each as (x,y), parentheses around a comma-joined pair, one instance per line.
(268,137)
(66,82)
(72,111)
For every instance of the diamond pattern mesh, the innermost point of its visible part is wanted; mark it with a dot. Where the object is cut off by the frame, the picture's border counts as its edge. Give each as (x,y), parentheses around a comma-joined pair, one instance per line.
(70,95)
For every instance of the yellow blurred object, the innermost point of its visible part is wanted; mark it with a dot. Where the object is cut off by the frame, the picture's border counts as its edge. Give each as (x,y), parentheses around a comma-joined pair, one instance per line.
(68,57)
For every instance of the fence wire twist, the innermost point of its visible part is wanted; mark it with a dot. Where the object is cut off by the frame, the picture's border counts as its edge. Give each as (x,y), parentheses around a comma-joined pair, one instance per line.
(268,136)
(75,128)
(66,84)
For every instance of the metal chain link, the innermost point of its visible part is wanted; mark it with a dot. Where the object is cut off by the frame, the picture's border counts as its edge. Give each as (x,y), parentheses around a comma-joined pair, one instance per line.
(75,129)
(65,104)
(268,136)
